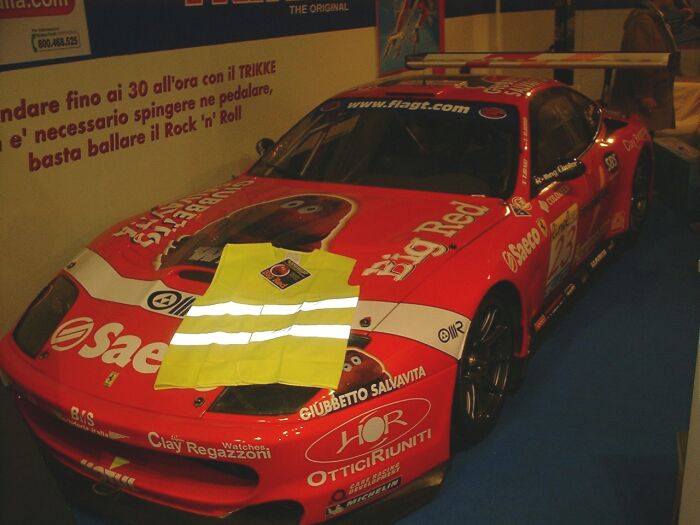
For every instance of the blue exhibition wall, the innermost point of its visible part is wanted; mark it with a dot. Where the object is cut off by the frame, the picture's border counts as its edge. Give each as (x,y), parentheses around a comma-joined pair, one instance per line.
(120,27)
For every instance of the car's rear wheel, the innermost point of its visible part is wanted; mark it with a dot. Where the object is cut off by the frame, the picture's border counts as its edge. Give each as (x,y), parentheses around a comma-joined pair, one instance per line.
(639,197)
(485,369)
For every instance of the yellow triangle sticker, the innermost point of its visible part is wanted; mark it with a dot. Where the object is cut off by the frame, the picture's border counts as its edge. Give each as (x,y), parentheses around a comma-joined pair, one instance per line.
(118,462)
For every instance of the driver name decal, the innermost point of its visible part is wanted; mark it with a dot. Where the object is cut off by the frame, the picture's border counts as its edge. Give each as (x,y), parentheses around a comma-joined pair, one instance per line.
(541,180)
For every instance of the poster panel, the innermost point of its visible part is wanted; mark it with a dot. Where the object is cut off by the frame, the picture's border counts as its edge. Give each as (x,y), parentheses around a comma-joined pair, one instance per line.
(125,27)
(42,30)
(407,27)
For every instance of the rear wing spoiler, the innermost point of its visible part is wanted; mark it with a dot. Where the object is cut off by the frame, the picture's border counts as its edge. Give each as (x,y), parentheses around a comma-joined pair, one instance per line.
(581,60)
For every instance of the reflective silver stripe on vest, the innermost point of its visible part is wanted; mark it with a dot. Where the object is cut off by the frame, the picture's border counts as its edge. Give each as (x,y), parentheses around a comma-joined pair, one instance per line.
(234,308)
(326,331)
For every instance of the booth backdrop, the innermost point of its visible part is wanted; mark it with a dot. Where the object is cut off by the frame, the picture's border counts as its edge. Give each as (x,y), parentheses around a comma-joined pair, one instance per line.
(115,106)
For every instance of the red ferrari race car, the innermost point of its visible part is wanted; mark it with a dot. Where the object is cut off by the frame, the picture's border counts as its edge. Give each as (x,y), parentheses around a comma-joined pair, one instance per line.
(473,206)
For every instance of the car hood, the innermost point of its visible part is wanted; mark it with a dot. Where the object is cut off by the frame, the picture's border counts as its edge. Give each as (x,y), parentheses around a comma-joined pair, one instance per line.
(141,276)
(397,237)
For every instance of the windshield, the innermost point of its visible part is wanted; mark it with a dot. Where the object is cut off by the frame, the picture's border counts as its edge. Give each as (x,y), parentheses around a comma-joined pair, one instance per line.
(443,146)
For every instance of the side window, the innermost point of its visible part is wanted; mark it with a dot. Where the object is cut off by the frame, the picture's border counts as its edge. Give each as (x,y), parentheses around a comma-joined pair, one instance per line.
(552,144)
(564,124)
(588,115)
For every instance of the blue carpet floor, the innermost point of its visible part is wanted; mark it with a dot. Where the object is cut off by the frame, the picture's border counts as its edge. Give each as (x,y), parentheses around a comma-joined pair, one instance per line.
(591,436)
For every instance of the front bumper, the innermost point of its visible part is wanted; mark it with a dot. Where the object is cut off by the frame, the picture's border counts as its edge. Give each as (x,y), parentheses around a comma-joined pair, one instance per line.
(218,464)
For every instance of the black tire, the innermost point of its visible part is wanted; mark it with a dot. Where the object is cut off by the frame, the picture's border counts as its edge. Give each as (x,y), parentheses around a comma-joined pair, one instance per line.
(639,198)
(486,369)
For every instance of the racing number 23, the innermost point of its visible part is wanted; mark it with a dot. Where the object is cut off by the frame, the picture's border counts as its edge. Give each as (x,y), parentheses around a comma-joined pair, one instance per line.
(563,230)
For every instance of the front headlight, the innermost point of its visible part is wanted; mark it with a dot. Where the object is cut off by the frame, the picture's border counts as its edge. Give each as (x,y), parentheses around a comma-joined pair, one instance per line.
(43,315)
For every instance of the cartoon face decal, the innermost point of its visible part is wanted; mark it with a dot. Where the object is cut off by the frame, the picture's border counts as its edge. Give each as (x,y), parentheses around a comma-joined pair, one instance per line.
(300,222)
(360,370)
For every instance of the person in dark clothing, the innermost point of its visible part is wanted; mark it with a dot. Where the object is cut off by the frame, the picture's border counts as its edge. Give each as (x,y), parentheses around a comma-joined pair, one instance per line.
(647,93)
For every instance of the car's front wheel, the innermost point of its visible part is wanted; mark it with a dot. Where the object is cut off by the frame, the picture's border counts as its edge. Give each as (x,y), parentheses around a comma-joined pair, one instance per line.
(485,369)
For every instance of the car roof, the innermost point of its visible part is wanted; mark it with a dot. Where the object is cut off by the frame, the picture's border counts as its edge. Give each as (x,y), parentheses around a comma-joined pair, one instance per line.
(487,88)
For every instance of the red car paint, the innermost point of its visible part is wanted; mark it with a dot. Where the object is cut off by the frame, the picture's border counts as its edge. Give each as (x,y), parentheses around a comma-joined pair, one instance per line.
(89,395)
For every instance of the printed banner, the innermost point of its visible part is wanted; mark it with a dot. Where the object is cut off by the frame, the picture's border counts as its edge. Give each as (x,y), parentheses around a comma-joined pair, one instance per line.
(407,27)
(40,30)
(121,27)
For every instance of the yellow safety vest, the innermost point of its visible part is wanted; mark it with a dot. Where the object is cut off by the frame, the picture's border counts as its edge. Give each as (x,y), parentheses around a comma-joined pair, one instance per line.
(270,316)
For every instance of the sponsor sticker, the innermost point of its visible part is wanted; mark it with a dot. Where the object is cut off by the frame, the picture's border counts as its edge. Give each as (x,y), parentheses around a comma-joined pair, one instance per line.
(377,457)
(516,87)
(637,140)
(174,302)
(343,506)
(339,401)
(285,274)
(371,481)
(401,265)
(520,207)
(85,420)
(611,162)
(109,475)
(541,180)
(447,334)
(225,450)
(552,198)
(370,431)
(493,113)
(70,334)
(164,221)
(618,222)
(563,246)
(109,343)
(516,254)
(111,378)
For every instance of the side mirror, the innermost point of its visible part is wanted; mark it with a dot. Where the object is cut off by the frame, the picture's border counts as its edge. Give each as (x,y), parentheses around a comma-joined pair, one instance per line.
(264,145)
(570,170)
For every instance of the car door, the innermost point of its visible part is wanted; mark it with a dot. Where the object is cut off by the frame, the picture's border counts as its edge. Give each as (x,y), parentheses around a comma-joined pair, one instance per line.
(601,175)
(561,188)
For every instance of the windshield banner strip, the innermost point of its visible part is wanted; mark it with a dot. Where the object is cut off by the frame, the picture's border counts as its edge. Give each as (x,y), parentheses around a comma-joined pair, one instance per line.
(410,105)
